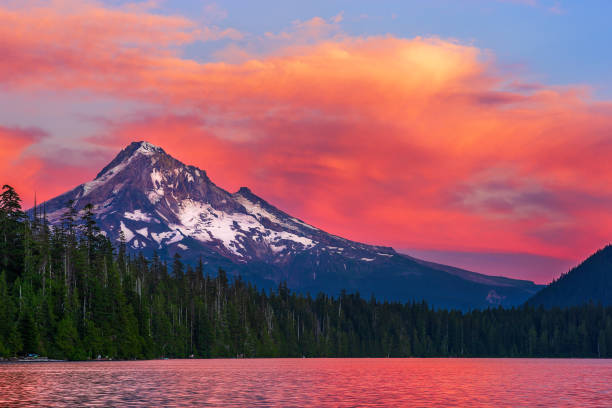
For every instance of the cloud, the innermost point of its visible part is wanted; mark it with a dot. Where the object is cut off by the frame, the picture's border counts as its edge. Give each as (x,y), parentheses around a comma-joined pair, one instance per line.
(415,143)
(14,141)
(338,17)
(59,39)
(16,167)
(308,31)
(25,163)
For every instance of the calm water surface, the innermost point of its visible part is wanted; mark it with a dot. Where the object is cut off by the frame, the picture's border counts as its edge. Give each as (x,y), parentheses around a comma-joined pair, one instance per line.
(310,382)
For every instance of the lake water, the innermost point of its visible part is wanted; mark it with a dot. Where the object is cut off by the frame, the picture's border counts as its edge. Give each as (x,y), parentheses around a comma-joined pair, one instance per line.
(310,382)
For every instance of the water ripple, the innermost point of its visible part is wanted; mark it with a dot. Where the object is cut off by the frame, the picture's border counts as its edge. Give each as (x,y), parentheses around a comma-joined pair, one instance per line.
(310,382)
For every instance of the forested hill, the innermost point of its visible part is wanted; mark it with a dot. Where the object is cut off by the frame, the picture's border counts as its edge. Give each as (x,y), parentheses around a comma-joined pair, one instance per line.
(67,292)
(591,281)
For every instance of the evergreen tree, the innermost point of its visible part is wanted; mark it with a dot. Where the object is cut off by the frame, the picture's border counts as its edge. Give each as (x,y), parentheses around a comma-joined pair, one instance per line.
(68,292)
(28,333)
(11,232)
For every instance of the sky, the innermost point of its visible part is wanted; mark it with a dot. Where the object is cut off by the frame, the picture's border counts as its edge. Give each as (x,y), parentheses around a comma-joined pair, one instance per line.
(476,133)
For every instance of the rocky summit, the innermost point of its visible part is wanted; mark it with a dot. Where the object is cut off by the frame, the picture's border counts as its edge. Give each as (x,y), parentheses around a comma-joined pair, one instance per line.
(158,204)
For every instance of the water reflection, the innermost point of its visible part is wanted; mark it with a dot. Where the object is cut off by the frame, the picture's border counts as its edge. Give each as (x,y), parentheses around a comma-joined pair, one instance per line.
(309,382)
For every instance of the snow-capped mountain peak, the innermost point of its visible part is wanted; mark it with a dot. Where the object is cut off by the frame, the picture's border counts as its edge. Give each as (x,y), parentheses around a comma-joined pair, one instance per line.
(156,203)
(159,203)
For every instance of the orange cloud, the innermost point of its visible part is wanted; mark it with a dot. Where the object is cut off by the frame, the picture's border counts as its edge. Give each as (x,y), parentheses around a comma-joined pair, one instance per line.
(406,142)
(73,43)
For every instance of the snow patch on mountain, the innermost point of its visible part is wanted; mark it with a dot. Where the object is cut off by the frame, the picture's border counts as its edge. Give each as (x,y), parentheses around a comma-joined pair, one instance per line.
(259,212)
(303,224)
(92,185)
(167,237)
(307,243)
(148,149)
(126,232)
(137,215)
(138,244)
(279,248)
(203,222)
(156,178)
(118,188)
(155,196)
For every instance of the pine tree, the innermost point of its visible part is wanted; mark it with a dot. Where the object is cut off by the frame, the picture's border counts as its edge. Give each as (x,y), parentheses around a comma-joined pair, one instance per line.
(69,292)
(11,233)
(28,333)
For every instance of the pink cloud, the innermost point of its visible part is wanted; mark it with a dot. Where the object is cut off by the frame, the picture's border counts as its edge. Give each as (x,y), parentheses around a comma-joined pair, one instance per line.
(16,168)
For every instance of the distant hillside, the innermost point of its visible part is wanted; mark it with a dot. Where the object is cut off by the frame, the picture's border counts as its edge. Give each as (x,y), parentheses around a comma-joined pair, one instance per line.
(590,281)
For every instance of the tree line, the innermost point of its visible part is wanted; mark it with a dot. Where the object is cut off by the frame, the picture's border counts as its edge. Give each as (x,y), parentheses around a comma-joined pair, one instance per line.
(66,291)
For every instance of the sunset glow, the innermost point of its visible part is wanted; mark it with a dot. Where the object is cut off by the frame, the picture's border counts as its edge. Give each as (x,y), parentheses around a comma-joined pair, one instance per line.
(422,143)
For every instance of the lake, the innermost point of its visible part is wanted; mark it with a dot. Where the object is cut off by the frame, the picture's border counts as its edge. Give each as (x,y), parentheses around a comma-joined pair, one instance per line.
(309,382)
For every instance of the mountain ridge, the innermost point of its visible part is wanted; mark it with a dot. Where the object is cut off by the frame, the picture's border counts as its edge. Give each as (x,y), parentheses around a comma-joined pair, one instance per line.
(591,281)
(161,205)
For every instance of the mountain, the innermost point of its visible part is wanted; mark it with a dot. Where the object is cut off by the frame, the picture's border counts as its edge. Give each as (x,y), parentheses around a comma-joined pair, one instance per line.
(163,205)
(589,281)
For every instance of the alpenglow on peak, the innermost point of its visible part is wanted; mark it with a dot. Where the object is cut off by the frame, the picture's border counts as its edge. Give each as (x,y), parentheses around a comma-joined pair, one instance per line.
(162,206)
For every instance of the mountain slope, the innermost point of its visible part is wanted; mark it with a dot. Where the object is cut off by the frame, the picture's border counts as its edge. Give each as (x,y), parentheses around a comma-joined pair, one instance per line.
(160,204)
(589,281)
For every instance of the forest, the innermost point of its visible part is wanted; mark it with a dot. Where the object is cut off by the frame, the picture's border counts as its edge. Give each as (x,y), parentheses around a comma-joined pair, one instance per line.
(67,292)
